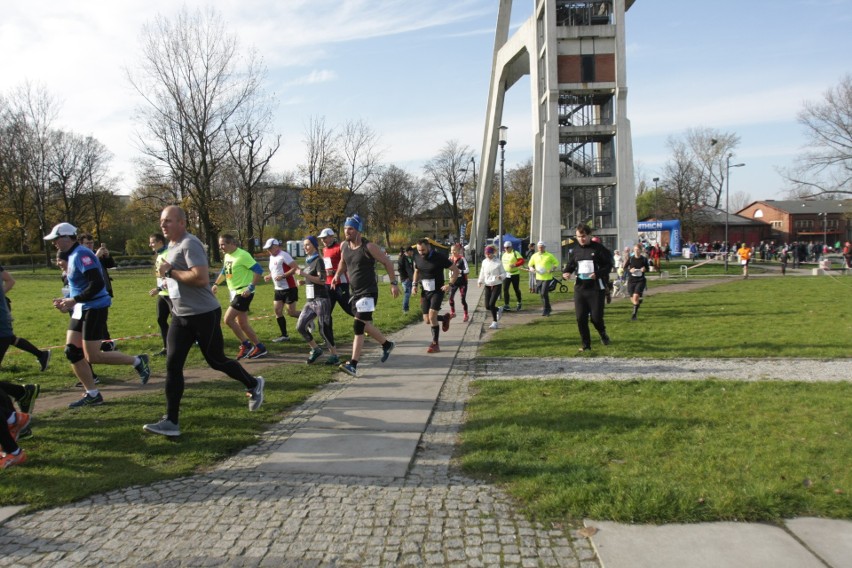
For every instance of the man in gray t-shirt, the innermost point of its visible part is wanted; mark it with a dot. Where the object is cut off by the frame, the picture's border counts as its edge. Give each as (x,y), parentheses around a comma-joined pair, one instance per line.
(196,319)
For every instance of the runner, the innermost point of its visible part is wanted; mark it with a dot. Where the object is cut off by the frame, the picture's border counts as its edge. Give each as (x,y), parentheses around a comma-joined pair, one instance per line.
(282,267)
(429,265)
(157,242)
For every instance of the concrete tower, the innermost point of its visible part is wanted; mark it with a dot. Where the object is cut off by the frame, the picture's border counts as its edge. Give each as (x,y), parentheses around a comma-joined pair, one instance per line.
(574,52)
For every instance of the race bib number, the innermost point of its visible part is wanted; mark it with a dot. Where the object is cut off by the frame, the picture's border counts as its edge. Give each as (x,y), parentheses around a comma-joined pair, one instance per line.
(428,284)
(637,272)
(232,294)
(365,305)
(585,269)
(743,262)
(77,312)
(309,291)
(173,288)
(327,262)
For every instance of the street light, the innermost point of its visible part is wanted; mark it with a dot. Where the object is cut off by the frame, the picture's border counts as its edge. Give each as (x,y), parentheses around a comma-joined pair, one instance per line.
(727,209)
(473,218)
(502,142)
(824,216)
(656,192)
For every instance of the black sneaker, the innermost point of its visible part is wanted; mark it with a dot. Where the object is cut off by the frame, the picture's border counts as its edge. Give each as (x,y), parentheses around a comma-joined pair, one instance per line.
(44,359)
(519,307)
(88,400)
(27,402)
(386,351)
(605,339)
(26,433)
(161,353)
(143,369)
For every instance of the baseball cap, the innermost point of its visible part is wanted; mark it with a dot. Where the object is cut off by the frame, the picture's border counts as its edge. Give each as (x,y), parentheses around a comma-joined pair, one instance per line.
(540,244)
(326,233)
(61,230)
(507,244)
(271,243)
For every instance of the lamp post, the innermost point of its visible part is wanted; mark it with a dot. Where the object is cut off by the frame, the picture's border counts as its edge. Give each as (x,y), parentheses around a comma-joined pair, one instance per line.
(502,142)
(728,167)
(824,216)
(656,218)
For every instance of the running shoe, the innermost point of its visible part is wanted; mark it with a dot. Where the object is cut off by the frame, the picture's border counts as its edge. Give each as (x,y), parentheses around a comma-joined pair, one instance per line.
(88,400)
(349,369)
(452,313)
(25,433)
(332,360)
(499,313)
(143,369)
(27,402)
(255,395)
(445,325)
(22,420)
(433,348)
(519,307)
(44,359)
(281,339)
(164,427)
(161,353)
(465,317)
(243,352)
(493,325)
(8,460)
(605,339)
(315,354)
(258,351)
(386,351)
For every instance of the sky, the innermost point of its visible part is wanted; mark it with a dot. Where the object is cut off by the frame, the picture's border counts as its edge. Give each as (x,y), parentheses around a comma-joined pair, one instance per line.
(418,72)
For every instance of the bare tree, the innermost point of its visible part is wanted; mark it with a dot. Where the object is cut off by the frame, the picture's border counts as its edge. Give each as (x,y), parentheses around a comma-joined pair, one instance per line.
(360,155)
(193,82)
(15,197)
(443,175)
(391,192)
(683,190)
(708,149)
(323,200)
(250,159)
(824,168)
(33,111)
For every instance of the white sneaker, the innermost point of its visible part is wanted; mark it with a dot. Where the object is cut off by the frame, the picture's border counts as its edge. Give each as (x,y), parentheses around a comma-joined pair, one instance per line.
(281,339)
(493,325)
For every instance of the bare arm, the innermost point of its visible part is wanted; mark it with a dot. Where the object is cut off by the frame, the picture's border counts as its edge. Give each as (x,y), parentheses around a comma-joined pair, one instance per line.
(8,282)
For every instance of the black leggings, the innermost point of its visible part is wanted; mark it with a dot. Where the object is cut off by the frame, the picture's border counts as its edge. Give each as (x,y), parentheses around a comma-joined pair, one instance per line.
(164,308)
(492,296)
(515,281)
(589,304)
(7,409)
(184,331)
(461,286)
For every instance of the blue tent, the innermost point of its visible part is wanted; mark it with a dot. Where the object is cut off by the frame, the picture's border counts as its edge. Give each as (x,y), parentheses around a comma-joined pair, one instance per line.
(517,244)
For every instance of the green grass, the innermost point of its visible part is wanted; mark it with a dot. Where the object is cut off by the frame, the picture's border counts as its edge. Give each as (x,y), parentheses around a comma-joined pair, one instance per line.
(74,454)
(664,452)
(79,453)
(770,317)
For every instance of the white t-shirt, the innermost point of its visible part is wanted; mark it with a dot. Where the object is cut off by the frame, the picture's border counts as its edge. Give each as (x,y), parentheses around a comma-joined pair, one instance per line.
(278,265)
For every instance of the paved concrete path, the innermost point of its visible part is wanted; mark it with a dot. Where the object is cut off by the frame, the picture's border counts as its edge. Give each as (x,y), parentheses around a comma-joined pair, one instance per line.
(361,474)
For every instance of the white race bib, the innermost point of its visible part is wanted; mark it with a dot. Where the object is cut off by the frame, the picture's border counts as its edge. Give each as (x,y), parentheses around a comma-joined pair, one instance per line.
(327,262)
(77,312)
(365,305)
(585,269)
(636,272)
(309,291)
(743,262)
(159,283)
(173,288)
(428,284)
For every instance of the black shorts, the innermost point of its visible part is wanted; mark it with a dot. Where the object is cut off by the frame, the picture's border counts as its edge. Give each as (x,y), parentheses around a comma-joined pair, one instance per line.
(431,301)
(92,324)
(288,296)
(241,303)
(636,286)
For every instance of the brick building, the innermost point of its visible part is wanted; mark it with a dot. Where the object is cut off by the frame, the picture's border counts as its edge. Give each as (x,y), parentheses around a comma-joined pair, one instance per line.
(824,221)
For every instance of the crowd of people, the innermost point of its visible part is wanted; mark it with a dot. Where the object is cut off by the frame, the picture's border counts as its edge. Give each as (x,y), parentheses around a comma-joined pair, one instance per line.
(334,273)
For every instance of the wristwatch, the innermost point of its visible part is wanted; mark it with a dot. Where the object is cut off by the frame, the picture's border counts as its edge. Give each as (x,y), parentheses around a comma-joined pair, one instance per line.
(394,283)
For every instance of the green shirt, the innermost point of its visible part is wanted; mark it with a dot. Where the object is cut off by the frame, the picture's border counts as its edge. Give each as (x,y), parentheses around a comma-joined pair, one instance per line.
(543,261)
(161,257)
(238,270)
(509,260)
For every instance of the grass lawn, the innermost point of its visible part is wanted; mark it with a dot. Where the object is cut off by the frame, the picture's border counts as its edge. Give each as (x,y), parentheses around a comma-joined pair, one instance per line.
(664,452)
(78,453)
(769,317)
(646,451)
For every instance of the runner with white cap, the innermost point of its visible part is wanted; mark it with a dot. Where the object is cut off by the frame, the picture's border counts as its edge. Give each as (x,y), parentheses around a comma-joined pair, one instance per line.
(282,268)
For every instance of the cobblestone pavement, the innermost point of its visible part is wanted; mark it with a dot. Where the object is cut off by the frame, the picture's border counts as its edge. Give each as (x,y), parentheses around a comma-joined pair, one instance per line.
(239,516)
